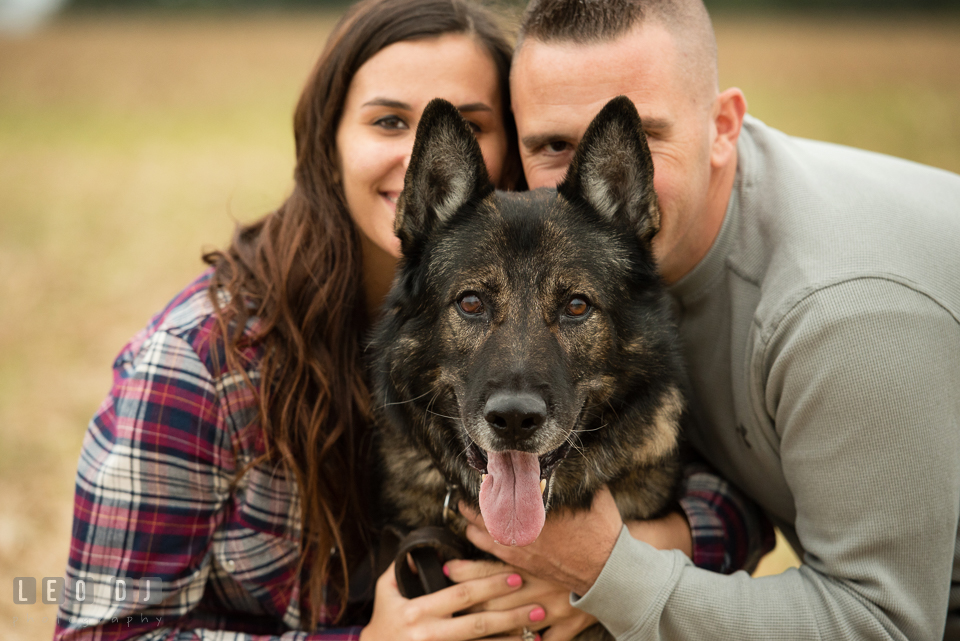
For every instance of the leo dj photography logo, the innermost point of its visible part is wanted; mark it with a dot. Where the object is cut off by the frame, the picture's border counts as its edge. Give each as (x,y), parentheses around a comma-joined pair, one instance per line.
(54,590)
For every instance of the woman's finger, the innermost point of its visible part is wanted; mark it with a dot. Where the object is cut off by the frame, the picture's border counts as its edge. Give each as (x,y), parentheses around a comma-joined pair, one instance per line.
(564,620)
(554,603)
(555,599)
(485,624)
(460,570)
(430,616)
(462,596)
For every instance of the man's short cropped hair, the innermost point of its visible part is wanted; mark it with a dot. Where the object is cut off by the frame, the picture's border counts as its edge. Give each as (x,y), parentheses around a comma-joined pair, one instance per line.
(597,21)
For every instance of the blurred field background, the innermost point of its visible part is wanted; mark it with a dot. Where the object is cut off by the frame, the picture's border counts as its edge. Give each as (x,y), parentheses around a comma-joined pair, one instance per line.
(130,142)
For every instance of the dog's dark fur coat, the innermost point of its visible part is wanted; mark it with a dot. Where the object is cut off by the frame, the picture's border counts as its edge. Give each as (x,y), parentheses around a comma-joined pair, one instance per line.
(535,322)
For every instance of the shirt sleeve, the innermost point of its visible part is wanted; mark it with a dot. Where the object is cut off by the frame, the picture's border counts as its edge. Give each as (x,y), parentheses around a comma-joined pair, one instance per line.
(860,383)
(153,485)
(729,532)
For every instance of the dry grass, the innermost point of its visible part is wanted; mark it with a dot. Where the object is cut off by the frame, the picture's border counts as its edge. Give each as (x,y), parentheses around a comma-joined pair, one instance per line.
(128,144)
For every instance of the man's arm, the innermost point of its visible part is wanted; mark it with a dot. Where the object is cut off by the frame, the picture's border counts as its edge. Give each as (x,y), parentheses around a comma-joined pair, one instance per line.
(719,527)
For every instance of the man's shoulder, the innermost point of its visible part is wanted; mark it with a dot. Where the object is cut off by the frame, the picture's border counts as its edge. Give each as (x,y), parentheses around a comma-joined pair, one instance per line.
(813,214)
(835,172)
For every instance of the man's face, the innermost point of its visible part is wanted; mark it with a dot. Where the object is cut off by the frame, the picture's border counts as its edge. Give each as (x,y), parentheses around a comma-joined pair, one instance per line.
(559,87)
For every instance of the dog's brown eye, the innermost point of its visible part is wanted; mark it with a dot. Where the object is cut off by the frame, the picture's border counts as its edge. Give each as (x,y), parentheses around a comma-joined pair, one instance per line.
(577,307)
(470,304)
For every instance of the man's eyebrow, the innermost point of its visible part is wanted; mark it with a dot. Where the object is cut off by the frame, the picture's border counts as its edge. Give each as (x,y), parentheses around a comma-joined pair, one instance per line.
(655,124)
(535,141)
(474,106)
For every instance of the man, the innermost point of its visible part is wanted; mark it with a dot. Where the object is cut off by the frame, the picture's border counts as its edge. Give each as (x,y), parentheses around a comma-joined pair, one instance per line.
(818,296)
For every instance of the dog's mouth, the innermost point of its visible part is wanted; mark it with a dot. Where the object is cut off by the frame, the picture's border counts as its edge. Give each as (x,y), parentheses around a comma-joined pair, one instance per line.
(477,459)
(514,491)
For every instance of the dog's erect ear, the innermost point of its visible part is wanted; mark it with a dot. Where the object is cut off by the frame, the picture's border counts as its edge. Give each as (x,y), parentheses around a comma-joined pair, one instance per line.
(446,171)
(612,170)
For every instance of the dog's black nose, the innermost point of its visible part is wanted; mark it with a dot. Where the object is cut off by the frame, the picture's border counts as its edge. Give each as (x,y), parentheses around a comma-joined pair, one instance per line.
(515,414)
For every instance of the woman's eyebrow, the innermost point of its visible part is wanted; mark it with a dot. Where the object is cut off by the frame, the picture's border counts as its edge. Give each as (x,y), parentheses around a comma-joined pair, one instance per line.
(386,102)
(396,104)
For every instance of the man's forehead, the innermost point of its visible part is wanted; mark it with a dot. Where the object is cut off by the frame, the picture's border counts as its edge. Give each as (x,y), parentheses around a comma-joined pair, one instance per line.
(648,45)
(558,87)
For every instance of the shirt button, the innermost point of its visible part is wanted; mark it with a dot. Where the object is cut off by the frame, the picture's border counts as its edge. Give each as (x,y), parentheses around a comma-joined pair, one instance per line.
(230,565)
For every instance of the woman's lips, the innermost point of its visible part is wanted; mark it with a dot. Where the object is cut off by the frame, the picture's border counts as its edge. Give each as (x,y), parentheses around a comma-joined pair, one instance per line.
(390,197)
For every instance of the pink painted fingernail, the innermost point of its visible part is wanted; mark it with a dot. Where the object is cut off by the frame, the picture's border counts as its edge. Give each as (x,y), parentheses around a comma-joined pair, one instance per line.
(538,614)
(446,571)
(514,581)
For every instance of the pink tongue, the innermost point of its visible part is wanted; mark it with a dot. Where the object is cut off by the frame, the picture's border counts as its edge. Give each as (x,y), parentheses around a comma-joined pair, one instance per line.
(510,499)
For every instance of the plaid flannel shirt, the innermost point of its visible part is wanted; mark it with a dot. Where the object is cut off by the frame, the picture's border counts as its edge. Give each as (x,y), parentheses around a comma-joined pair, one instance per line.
(157,496)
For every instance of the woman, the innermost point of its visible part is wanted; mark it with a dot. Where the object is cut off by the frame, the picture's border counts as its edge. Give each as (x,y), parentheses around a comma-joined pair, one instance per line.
(230,460)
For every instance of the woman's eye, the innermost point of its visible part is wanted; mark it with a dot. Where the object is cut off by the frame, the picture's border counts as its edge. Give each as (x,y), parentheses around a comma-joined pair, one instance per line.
(474,126)
(470,304)
(390,122)
(577,307)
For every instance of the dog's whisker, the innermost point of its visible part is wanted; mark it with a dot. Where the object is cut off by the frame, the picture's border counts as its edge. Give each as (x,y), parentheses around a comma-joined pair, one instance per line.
(591,429)
(410,400)
(613,409)
(570,439)
(452,418)
(438,390)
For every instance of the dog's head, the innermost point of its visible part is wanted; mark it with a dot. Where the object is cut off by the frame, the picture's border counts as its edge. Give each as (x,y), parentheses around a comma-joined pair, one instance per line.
(526,342)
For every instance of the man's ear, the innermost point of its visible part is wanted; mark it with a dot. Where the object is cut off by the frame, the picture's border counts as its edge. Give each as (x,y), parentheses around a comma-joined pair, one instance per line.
(446,171)
(728,111)
(612,170)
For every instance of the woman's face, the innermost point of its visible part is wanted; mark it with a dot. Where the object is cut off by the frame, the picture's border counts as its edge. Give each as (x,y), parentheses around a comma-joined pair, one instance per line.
(384,103)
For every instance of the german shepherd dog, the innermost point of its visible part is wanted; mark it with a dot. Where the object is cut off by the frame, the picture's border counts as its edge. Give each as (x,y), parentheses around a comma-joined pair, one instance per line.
(526,355)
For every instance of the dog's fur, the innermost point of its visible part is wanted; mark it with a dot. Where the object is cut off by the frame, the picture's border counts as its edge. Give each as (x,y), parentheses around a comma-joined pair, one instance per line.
(484,345)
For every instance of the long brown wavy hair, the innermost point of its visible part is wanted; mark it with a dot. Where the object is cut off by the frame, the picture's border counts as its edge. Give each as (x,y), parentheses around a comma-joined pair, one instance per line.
(298,271)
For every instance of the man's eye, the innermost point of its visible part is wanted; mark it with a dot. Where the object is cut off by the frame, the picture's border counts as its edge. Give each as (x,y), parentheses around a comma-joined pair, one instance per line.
(390,122)
(557,147)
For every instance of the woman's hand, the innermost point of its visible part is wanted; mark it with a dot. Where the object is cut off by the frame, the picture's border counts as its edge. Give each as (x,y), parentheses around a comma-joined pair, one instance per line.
(572,548)
(430,617)
(564,620)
